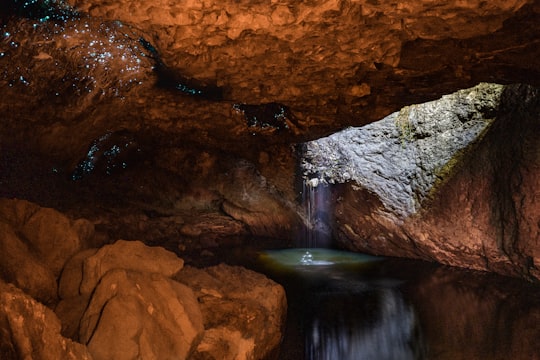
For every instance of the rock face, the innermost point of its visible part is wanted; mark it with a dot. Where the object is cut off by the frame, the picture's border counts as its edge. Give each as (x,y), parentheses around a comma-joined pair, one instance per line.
(326,50)
(36,243)
(243,312)
(402,157)
(134,315)
(129,301)
(463,197)
(30,330)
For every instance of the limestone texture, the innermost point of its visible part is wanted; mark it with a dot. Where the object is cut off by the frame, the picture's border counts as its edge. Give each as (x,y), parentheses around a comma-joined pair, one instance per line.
(128,255)
(467,204)
(404,156)
(122,300)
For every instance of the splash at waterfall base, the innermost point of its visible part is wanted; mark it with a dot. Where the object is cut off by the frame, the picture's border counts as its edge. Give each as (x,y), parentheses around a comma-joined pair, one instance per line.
(452,181)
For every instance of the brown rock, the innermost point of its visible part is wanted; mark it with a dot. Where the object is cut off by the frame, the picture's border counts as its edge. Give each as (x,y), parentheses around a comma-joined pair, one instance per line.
(72,274)
(250,199)
(54,237)
(128,255)
(17,212)
(134,315)
(20,266)
(72,303)
(243,312)
(29,330)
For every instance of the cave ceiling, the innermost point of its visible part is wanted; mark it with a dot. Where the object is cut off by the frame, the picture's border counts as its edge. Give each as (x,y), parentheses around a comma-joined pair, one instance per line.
(247,78)
(330,63)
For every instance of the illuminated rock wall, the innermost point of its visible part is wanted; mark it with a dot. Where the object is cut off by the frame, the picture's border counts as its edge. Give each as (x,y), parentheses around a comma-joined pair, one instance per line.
(475,208)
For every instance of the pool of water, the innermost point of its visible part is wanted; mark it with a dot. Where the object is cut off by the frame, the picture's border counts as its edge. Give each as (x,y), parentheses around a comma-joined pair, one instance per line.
(352,306)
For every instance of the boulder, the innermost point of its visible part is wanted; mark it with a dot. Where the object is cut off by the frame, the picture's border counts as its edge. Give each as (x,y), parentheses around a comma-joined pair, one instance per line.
(36,242)
(29,330)
(243,311)
(72,303)
(134,315)
(19,265)
(121,302)
(128,255)
(55,237)
(85,270)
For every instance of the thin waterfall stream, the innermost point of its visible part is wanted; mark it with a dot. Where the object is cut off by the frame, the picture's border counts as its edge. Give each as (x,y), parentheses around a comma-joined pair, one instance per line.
(317,232)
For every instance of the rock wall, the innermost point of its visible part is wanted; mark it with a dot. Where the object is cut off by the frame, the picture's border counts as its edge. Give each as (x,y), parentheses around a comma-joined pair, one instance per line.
(466,200)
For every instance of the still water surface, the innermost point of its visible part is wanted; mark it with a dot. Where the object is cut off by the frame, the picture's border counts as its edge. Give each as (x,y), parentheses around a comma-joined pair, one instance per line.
(352,306)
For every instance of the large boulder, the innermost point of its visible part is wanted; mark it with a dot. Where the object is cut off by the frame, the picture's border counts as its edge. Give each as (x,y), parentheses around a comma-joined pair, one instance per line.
(134,315)
(243,311)
(128,300)
(129,255)
(36,242)
(30,330)
(85,270)
(18,265)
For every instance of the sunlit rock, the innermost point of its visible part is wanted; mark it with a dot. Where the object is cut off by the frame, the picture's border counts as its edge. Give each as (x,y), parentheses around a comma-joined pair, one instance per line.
(456,200)
(402,157)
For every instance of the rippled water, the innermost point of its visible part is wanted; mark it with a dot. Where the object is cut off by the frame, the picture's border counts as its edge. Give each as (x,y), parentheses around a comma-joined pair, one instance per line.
(353,306)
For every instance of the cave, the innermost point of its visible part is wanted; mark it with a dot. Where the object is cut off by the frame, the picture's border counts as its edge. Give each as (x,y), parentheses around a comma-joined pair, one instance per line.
(161,162)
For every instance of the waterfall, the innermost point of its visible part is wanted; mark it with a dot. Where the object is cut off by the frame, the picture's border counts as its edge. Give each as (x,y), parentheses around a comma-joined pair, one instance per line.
(317,230)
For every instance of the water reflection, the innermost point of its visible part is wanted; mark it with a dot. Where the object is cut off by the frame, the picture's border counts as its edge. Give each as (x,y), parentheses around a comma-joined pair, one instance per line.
(401,309)
(374,324)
